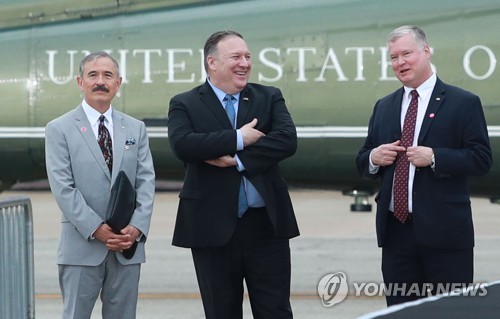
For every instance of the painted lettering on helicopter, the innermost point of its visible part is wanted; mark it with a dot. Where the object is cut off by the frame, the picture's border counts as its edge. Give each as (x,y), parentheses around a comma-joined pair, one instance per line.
(301,64)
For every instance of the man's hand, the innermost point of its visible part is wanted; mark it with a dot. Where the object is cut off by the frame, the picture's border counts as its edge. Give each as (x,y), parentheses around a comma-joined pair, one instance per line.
(386,154)
(223,161)
(117,242)
(249,134)
(420,156)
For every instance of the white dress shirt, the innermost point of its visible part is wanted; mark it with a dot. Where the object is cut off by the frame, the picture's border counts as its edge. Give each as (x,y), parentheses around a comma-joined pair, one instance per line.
(424,95)
(93,117)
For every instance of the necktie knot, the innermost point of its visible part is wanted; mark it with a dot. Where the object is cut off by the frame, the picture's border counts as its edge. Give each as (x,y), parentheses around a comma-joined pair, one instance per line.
(414,94)
(229,97)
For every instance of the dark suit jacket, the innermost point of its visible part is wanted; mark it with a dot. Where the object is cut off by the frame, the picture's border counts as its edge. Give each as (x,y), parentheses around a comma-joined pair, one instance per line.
(455,128)
(199,130)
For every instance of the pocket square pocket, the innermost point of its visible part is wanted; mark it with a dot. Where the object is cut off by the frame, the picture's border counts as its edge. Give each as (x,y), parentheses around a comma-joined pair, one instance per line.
(129,142)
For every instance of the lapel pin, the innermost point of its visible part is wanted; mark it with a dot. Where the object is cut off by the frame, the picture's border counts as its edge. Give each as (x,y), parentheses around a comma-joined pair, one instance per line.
(245,99)
(83,129)
(432,115)
(438,99)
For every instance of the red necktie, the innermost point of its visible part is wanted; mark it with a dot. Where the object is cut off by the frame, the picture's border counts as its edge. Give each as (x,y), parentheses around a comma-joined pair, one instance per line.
(402,173)
(104,140)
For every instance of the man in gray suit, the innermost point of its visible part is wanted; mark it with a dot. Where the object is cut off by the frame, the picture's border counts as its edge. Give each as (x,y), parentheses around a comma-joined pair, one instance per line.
(84,154)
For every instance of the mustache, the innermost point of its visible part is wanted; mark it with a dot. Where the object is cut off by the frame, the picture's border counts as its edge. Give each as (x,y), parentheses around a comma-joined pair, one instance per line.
(100,88)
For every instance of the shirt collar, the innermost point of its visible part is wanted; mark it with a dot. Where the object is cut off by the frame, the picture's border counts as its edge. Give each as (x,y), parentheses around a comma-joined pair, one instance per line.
(93,115)
(425,89)
(221,94)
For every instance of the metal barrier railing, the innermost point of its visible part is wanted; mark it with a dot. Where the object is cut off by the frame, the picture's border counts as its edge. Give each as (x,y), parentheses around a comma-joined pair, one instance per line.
(17,284)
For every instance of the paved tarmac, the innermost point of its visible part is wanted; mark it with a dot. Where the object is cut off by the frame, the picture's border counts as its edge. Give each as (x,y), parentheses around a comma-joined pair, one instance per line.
(333,239)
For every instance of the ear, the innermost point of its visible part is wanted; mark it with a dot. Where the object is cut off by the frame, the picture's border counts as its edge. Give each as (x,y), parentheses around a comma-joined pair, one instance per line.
(211,61)
(79,81)
(427,51)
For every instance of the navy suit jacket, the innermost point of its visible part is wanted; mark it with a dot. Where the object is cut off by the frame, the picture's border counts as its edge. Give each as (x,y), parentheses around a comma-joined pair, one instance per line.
(199,130)
(455,128)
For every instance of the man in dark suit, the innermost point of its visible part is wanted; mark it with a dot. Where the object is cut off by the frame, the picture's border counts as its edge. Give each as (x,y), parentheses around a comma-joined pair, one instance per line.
(235,212)
(424,221)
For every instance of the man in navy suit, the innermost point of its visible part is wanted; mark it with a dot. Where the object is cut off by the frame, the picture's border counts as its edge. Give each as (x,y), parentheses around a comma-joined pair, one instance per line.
(235,212)
(430,243)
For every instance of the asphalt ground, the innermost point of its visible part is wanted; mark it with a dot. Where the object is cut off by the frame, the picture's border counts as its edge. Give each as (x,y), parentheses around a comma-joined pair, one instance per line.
(333,239)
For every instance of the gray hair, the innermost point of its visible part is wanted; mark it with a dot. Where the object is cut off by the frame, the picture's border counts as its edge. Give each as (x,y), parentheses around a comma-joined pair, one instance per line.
(210,47)
(417,34)
(96,55)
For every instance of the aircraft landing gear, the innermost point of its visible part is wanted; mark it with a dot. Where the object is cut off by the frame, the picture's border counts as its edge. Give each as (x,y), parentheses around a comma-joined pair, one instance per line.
(361,203)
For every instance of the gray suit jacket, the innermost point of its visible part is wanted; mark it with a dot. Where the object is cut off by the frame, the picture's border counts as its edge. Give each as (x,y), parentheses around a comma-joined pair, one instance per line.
(80,182)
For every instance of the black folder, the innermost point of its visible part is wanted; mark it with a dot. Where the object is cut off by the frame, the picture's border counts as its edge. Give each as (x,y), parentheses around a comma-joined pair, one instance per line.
(121,208)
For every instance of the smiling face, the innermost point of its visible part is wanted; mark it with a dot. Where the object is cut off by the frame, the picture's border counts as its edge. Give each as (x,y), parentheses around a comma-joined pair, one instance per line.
(99,83)
(410,62)
(229,67)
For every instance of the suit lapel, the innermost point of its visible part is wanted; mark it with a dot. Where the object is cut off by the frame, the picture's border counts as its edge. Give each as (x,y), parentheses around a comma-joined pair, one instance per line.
(437,97)
(243,107)
(395,113)
(85,128)
(119,136)
(208,97)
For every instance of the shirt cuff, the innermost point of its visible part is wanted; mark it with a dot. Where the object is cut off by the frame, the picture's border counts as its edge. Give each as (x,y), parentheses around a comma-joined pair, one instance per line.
(92,237)
(373,169)
(239,140)
(239,165)
(139,238)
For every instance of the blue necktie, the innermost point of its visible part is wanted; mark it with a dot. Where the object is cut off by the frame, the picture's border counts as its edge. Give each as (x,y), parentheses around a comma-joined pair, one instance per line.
(242,197)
